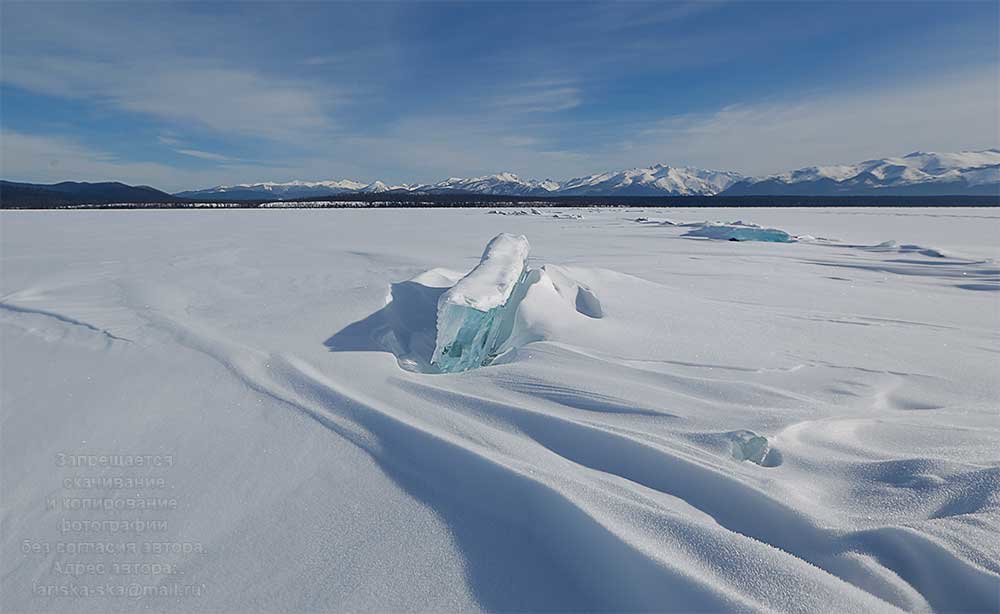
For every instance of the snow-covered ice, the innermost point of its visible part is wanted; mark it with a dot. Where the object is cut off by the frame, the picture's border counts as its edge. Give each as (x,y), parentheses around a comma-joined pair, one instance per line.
(282,358)
(739,231)
(475,315)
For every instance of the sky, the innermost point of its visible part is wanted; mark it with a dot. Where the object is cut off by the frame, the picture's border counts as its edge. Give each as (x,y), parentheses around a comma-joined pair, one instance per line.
(182,96)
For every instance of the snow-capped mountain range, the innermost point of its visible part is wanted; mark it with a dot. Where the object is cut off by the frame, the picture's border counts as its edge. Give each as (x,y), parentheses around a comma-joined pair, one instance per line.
(656,180)
(501,183)
(919,173)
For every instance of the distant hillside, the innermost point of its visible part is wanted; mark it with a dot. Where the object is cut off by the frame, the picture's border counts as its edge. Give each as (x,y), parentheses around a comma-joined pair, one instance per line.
(14,194)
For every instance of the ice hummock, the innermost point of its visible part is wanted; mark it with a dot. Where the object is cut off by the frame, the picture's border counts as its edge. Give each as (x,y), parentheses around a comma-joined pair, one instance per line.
(474,316)
(740,231)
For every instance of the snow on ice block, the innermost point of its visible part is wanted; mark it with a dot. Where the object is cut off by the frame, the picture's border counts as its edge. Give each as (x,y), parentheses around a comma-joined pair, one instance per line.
(474,317)
(739,231)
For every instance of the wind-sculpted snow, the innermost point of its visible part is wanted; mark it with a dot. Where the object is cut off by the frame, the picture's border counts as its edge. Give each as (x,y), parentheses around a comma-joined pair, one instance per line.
(671,425)
(892,246)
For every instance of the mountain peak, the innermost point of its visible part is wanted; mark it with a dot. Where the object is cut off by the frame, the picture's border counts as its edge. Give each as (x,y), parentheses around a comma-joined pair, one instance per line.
(375,187)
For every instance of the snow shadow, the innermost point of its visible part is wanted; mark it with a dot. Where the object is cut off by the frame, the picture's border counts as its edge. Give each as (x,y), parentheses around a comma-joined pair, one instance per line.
(405,327)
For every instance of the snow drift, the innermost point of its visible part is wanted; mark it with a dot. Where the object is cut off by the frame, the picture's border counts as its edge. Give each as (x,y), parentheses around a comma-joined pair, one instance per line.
(611,458)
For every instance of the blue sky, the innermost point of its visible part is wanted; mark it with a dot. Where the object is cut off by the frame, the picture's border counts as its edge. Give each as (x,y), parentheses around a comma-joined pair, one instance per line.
(192,95)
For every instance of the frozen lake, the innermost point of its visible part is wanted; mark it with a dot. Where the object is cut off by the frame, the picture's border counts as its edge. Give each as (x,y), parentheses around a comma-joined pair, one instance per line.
(276,357)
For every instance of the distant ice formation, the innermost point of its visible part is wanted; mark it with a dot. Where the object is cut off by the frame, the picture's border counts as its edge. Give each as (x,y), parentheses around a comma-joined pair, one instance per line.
(739,231)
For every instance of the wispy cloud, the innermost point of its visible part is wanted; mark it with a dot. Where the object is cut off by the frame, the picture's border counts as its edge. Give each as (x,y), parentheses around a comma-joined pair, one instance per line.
(461,146)
(958,112)
(540,97)
(205,155)
(179,146)
(169,140)
(226,100)
(624,16)
(516,140)
(265,95)
(32,157)
(322,60)
(48,159)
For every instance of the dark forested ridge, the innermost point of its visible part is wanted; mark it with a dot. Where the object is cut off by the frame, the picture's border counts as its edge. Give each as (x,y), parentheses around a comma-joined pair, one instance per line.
(46,196)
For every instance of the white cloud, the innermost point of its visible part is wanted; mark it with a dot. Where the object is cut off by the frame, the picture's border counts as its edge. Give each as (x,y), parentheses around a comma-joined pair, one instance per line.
(204,155)
(541,98)
(168,139)
(231,101)
(430,148)
(322,60)
(26,157)
(952,113)
(516,140)
(178,146)
(50,159)
(944,114)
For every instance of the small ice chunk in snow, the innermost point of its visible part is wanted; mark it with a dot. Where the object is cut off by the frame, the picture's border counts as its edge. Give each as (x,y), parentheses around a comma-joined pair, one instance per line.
(474,316)
(750,446)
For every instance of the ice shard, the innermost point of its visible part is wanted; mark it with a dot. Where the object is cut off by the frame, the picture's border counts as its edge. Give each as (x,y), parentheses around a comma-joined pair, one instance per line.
(475,316)
(749,446)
